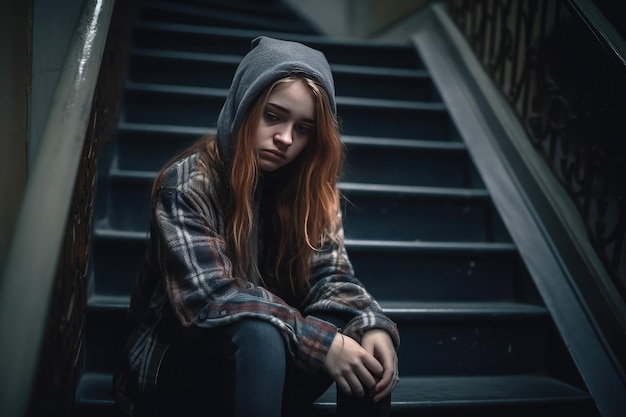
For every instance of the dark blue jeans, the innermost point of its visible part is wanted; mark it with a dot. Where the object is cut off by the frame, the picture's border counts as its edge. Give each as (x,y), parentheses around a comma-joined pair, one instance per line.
(242,370)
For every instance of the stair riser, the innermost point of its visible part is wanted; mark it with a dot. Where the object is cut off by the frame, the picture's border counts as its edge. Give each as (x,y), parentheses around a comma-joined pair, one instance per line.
(150,151)
(415,167)
(409,218)
(116,263)
(210,74)
(225,19)
(227,44)
(472,348)
(217,74)
(436,277)
(180,109)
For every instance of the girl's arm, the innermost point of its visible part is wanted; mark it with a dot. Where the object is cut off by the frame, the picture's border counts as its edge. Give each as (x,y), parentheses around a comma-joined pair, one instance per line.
(337,292)
(202,289)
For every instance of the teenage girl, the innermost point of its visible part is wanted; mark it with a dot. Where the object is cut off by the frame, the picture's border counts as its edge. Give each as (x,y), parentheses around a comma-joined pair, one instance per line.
(247,304)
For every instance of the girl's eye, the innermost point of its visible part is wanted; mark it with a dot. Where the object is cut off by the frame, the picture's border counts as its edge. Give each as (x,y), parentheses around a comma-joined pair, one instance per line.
(306,129)
(270,117)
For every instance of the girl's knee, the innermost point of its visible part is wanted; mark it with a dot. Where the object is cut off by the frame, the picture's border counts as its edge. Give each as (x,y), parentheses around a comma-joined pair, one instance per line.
(259,336)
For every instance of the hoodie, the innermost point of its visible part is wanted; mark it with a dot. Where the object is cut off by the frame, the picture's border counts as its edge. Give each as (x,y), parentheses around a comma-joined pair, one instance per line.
(267,61)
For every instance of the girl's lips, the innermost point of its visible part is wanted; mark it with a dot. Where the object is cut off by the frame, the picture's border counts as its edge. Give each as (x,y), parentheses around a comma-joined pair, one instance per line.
(273,154)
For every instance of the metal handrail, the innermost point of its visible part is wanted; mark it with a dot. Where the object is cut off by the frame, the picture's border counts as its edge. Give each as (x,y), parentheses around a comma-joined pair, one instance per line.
(27,278)
(518,88)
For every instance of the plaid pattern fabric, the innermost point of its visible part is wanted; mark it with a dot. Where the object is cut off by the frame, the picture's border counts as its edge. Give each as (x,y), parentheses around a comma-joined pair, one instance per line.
(188,266)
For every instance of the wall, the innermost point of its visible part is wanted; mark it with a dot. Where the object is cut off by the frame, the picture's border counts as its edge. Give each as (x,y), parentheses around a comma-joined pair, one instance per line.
(15,40)
(355,18)
(34,38)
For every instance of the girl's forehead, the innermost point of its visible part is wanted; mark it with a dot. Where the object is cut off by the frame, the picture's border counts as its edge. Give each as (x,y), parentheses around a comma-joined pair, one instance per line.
(293,97)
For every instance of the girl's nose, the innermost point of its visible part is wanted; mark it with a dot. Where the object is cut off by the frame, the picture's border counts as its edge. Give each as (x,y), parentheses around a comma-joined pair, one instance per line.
(283,137)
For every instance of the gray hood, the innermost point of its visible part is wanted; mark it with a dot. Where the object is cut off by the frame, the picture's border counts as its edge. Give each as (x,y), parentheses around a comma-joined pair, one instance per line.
(268,60)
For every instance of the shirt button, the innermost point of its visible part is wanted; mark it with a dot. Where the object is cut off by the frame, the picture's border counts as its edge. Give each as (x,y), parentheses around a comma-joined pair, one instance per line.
(203,315)
(223,313)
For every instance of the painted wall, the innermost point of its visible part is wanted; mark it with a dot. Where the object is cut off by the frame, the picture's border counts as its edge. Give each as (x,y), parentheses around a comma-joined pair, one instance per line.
(15,40)
(355,18)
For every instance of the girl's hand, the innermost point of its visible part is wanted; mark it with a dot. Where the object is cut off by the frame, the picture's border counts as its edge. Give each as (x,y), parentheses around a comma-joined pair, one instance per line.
(378,343)
(351,366)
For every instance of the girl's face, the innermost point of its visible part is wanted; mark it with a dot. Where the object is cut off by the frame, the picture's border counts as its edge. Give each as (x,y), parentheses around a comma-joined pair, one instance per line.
(286,126)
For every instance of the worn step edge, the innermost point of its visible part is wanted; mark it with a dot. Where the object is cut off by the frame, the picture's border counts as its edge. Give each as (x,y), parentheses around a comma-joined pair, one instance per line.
(413,392)
(412,190)
(116,174)
(365,141)
(428,247)
(163,128)
(405,310)
(235,59)
(341,101)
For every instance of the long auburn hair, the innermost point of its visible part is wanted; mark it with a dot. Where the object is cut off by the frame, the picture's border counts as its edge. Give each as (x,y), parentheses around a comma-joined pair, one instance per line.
(307,204)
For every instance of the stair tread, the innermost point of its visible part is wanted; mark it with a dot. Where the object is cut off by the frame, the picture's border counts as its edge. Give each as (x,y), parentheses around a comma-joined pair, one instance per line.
(431,246)
(412,391)
(394,308)
(469,193)
(164,128)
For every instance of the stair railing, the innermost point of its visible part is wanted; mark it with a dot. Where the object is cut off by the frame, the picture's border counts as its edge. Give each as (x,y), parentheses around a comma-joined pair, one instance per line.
(561,66)
(50,244)
(537,53)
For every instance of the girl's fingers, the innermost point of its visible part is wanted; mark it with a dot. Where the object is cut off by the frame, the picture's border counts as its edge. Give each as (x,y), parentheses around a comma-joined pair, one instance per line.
(356,387)
(354,368)
(343,385)
(373,365)
(386,384)
(366,377)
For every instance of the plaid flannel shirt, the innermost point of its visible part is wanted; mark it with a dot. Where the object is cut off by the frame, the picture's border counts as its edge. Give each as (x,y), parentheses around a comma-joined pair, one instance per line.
(193,273)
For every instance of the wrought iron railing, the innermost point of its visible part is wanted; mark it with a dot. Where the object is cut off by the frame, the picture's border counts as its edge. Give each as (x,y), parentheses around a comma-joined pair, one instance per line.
(565,78)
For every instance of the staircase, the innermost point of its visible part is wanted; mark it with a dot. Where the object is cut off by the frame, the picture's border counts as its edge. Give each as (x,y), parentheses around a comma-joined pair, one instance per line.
(421,229)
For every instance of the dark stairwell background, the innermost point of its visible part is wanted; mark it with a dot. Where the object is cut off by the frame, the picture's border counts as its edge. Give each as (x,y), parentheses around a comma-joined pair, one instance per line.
(422,229)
